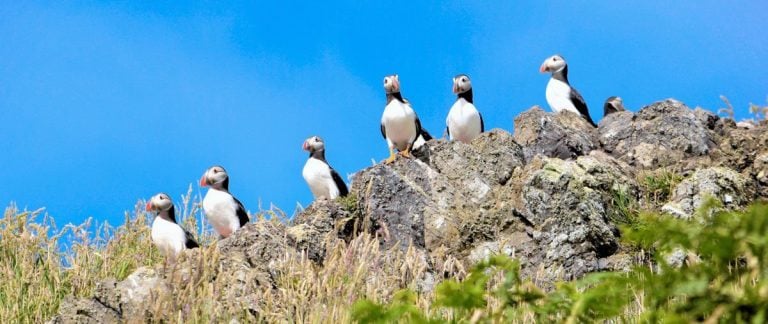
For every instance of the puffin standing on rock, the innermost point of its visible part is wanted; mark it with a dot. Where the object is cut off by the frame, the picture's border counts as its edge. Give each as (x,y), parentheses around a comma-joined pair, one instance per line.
(464,122)
(169,237)
(399,124)
(225,213)
(323,180)
(612,105)
(560,95)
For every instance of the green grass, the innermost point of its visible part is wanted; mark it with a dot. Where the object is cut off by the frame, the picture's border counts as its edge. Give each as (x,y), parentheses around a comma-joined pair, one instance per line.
(658,186)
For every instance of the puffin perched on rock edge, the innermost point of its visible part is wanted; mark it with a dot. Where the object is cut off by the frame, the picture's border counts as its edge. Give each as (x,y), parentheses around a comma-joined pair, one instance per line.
(560,95)
(225,213)
(169,237)
(399,124)
(613,104)
(464,122)
(323,180)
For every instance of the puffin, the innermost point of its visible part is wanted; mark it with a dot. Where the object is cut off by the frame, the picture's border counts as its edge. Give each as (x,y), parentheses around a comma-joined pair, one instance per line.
(399,124)
(225,213)
(169,237)
(612,105)
(323,180)
(464,122)
(422,139)
(560,95)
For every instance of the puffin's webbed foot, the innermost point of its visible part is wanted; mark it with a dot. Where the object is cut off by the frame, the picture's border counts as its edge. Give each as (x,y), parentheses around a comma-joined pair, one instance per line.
(407,152)
(391,158)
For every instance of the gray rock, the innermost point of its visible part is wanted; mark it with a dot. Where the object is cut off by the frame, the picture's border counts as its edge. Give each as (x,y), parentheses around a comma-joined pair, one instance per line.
(85,310)
(730,188)
(135,292)
(567,204)
(659,135)
(457,199)
(563,135)
(113,301)
(322,221)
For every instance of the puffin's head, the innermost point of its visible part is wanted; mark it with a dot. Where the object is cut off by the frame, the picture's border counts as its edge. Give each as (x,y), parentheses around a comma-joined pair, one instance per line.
(313,144)
(159,203)
(552,64)
(461,83)
(616,102)
(214,176)
(391,84)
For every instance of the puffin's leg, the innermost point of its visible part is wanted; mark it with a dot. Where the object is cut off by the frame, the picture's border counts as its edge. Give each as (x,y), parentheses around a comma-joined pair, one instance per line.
(407,152)
(391,157)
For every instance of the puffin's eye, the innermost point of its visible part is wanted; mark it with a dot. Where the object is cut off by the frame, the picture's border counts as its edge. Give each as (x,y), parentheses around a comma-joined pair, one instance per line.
(554,59)
(464,79)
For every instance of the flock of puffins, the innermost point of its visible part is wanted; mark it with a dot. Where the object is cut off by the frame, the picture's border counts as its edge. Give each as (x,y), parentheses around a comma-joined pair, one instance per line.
(399,126)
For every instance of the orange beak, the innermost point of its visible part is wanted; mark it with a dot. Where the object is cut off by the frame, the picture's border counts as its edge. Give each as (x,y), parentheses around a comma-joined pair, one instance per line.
(543,68)
(395,85)
(203,182)
(305,146)
(149,206)
(455,87)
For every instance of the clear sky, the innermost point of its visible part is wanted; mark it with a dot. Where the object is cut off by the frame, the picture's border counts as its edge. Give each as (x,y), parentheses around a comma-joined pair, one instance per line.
(108,103)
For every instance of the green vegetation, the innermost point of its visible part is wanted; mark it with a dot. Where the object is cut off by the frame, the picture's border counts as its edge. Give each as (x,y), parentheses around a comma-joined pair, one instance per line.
(658,186)
(724,277)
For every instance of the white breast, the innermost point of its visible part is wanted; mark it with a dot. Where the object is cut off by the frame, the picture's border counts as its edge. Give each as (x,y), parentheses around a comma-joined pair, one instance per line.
(221,210)
(463,121)
(318,177)
(559,96)
(399,122)
(169,237)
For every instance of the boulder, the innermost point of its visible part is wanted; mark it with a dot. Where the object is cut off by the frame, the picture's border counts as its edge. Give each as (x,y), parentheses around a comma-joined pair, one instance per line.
(659,135)
(730,188)
(323,220)
(567,205)
(563,135)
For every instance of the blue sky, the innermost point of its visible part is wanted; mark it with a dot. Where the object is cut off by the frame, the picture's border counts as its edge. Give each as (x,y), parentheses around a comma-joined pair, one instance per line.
(108,103)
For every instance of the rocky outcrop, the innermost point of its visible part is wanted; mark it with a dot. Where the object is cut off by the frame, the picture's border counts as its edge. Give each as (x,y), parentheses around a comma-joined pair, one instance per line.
(566,205)
(659,135)
(563,135)
(729,188)
(551,195)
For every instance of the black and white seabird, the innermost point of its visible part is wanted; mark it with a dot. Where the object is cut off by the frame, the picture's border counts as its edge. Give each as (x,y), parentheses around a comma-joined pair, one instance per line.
(169,237)
(612,105)
(422,139)
(560,95)
(225,213)
(323,180)
(464,122)
(399,124)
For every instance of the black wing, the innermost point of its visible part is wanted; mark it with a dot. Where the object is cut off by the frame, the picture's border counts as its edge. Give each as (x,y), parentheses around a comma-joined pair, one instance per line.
(418,126)
(425,135)
(482,124)
(242,215)
(581,106)
(343,191)
(383,131)
(190,243)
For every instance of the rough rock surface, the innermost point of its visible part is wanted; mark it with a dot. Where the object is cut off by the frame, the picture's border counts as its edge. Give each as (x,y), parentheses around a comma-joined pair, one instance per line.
(321,221)
(563,135)
(725,185)
(659,135)
(567,205)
